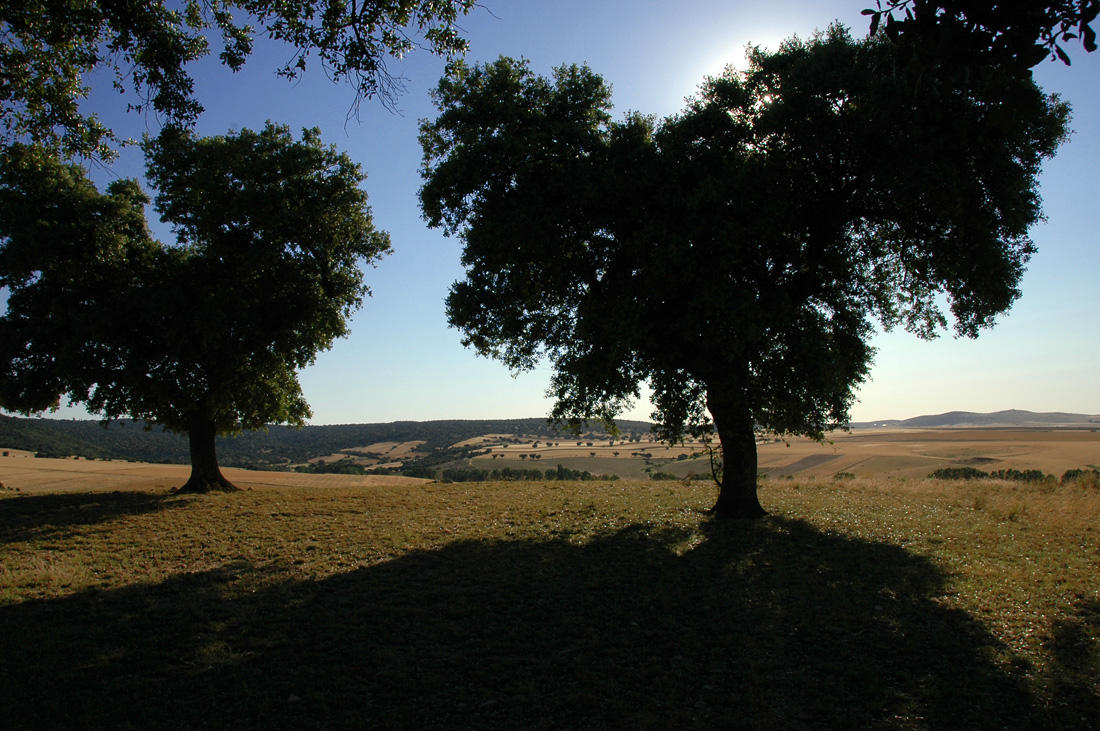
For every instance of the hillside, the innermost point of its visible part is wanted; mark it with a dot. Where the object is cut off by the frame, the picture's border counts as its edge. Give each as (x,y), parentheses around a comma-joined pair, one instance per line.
(277,446)
(1008,418)
(520,448)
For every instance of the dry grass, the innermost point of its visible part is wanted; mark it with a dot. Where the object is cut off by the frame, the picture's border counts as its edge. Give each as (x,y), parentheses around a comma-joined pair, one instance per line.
(882,603)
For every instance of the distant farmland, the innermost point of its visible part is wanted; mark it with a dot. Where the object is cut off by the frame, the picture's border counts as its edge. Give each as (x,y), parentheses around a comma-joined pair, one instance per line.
(863,453)
(909,453)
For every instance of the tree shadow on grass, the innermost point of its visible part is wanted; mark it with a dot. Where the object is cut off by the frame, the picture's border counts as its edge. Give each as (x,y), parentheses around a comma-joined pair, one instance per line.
(769,624)
(62,514)
(1075,676)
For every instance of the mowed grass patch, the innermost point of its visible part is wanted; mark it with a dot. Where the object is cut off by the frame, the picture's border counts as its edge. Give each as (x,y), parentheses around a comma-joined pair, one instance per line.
(862,603)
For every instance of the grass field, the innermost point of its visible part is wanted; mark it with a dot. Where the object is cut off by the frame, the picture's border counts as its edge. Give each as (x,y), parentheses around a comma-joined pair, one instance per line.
(865,603)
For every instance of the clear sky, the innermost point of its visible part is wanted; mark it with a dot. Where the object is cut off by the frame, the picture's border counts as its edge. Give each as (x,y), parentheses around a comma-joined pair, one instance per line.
(402,362)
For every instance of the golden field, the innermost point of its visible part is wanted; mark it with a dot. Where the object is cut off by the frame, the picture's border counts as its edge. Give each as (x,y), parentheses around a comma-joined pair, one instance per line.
(22,472)
(916,453)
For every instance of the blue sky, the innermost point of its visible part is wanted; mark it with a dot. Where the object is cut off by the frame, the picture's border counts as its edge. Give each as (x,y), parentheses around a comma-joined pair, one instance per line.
(402,362)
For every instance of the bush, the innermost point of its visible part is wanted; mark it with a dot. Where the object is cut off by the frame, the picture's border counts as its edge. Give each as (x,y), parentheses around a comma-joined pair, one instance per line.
(345,466)
(969,473)
(958,473)
(1020,475)
(1082,477)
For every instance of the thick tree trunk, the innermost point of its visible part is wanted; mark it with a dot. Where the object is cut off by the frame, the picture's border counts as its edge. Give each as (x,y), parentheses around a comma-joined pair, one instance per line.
(737,493)
(206,476)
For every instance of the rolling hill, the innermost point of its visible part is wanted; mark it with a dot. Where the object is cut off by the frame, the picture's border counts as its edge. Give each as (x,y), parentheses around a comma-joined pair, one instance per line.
(274,447)
(1008,418)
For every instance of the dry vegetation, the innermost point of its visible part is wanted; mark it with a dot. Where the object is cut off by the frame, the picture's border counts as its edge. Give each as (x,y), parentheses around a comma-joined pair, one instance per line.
(916,453)
(887,603)
(912,453)
(374,455)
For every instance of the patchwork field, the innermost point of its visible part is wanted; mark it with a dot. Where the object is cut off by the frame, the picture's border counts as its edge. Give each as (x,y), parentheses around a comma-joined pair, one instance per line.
(916,453)
(327,601)
(864,453)
(909,453)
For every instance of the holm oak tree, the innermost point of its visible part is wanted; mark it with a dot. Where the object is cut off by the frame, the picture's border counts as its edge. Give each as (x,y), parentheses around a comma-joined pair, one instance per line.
(203,336)
(969,35)
(50,48)
(735,256)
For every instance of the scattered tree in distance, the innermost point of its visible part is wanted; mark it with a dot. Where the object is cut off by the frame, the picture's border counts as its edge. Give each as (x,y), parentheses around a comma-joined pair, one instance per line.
(734,256)
(203,337)
(48,49)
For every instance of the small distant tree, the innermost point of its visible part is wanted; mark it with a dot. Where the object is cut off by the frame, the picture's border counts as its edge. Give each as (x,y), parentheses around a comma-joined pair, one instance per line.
(734,256)
(205,336)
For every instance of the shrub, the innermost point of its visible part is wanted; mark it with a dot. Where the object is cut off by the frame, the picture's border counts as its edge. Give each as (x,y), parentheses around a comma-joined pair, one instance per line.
(1020,475)
(345,466)
(958,473)
(1082,477)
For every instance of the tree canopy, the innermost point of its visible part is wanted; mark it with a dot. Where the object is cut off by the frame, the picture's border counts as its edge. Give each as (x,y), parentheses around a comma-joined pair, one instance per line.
(734,256)
(966,34)
(49,47)
(204,336)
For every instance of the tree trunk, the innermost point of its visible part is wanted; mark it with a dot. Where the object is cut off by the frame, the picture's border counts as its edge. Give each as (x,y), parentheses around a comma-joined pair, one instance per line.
(206,476)
(737,493)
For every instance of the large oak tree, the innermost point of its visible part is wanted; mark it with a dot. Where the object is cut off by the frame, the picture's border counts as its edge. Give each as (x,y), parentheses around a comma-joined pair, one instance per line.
(204,336)
(49,49)
(737,255)
(964,38)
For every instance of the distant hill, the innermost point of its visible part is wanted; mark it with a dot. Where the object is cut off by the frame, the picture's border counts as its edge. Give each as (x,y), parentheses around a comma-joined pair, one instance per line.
(278,445)
(1009,418)
(281,446)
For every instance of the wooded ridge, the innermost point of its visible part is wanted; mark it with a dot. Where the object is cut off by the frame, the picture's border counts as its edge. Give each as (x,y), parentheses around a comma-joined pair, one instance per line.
(271,448)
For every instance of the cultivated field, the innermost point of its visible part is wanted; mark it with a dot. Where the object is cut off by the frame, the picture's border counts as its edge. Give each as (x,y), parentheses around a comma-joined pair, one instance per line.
(864,453)
(916,453)
(321,601)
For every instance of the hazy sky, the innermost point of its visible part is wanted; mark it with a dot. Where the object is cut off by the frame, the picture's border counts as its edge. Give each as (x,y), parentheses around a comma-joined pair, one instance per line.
(402,362)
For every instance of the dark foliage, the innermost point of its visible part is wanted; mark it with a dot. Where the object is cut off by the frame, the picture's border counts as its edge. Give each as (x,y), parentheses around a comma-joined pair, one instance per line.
(971,473)
(345,466)
(962,36)
(50,50)
(736,256)
(508,474)
(205,336)
(271,447)
(1090,476)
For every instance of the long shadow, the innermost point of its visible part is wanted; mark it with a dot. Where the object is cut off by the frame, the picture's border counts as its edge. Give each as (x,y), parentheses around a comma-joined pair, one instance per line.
(1076,654)
(63,514)
(772,624)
